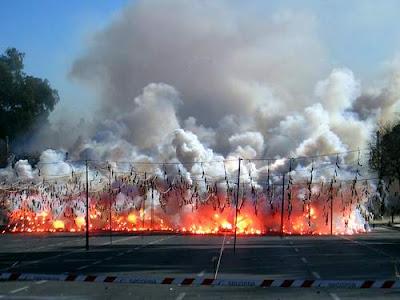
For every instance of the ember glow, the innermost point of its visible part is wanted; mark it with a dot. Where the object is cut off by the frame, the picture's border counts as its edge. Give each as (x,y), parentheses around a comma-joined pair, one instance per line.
(131,203)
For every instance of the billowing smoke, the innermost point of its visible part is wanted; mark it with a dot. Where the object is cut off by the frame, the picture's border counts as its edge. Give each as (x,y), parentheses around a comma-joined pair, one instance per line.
(196,81)
(255,87)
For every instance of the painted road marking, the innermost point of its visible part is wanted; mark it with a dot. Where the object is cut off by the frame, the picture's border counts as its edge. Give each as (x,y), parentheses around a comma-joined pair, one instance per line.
(58,244)
(43,259)
(14,264)
(121,240)
(19,290)
(316,275)
(41,281)
(220,256)
(181,296)
(304,260)
(378,251)
(122,253)
(296,249)
(334,296)
(367,246)
(160,240)
(76,260)
(201,274)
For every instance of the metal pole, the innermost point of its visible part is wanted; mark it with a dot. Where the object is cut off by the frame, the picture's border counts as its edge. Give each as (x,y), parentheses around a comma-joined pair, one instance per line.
(7,147)
(87,207)
(237,203)
(144,202)
(283,202)
(380,156)
(152,211)
(111,193)
(332,216)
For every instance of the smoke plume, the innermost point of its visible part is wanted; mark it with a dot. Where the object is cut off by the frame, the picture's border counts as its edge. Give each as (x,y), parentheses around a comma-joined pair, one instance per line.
(182,81)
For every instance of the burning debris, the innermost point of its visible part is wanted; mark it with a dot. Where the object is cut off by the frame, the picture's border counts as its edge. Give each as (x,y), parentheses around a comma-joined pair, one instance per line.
(242,87)
(123,197)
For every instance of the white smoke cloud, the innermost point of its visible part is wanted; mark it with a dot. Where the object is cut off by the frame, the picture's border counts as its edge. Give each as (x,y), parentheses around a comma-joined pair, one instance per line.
(198,81)
(220,63)
(338,91)
(23,169)
(253,139)
(152,117)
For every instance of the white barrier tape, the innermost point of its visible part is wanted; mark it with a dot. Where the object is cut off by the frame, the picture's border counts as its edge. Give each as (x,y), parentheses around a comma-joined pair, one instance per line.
(283,283)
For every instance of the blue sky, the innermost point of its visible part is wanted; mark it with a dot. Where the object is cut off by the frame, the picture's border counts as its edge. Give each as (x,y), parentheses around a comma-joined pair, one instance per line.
(52,33)
(361,34)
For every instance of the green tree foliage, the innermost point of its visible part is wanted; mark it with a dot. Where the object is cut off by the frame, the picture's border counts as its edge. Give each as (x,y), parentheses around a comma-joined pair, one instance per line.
(385,153)
(385,161)
(24,99)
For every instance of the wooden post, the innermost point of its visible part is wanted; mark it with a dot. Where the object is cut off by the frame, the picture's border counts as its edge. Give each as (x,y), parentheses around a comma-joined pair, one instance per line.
(87,206)
(283,202)
(237,203)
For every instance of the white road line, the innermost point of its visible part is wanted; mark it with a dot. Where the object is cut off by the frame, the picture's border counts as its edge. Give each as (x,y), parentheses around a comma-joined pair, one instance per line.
(136,248)
(367,246)
(43,259)
(41,281)
(57,244)
(181,296)
(316,275)
(201,274)
(74,260)
(304,260)
(378,251)
(296,249)
(14,264)
(124,239)
(19,290)
(82,267)
(334,296)
(160,240)
(396,270)
(220,256)
(96,262)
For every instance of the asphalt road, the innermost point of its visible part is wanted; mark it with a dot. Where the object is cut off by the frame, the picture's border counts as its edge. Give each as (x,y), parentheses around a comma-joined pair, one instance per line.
(375,255)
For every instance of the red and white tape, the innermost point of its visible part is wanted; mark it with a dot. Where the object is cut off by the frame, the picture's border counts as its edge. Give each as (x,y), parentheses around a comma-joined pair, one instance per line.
(188,281)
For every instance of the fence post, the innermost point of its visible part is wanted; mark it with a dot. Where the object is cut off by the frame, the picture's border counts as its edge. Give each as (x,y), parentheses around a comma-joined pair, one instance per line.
(283,202)
(237,203)
(87,206)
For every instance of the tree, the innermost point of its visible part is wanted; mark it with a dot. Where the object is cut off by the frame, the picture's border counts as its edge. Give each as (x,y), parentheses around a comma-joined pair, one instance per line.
(24,99)
(385,161)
